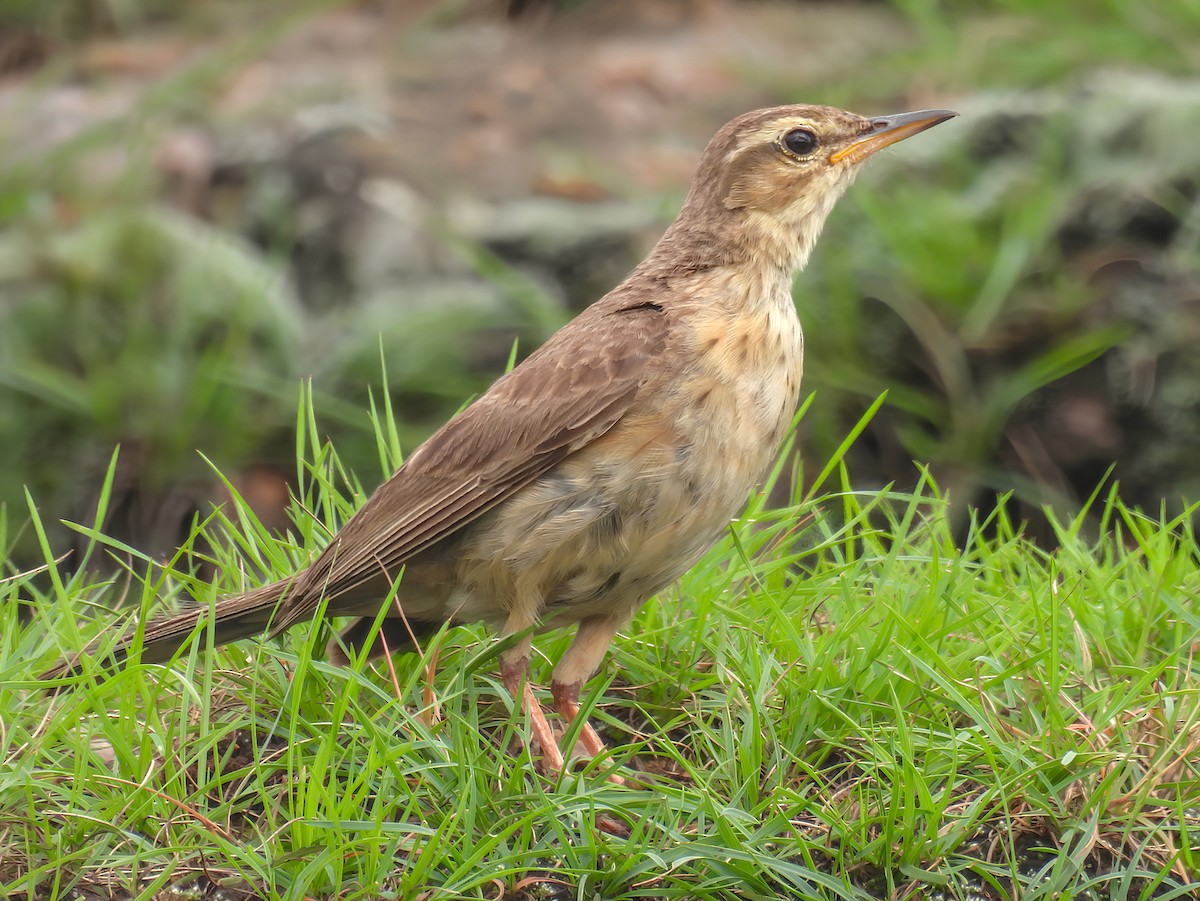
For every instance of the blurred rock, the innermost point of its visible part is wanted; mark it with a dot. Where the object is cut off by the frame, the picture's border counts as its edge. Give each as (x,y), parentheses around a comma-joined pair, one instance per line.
(585,247)
(392,240)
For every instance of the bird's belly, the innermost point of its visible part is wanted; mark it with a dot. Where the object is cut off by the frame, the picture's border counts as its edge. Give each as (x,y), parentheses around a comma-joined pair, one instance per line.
(598,535)
(626,516)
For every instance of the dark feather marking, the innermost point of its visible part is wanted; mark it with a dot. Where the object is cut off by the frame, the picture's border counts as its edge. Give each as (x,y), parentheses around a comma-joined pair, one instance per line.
(640,306)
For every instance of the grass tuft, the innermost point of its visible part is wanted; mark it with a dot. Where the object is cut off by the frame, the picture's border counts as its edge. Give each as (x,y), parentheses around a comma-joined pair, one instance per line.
(839,701)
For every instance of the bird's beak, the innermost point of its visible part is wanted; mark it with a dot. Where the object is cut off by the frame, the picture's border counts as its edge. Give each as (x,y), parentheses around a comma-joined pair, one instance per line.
(890,129)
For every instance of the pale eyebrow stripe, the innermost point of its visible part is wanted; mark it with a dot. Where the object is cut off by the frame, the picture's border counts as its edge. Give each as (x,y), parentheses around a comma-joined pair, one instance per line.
(772,130)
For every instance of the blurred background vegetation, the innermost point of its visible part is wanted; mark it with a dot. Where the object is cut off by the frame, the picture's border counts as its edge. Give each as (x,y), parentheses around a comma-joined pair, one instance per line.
(203,203)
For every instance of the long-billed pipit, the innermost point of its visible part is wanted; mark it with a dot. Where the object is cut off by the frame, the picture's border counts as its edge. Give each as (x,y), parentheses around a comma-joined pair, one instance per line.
(602,467)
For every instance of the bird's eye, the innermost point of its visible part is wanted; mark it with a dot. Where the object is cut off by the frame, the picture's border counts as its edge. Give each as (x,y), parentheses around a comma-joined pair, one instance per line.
(800,142)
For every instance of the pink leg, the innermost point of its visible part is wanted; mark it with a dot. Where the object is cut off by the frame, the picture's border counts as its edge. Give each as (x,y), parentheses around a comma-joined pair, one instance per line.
(566,701)
(515,673)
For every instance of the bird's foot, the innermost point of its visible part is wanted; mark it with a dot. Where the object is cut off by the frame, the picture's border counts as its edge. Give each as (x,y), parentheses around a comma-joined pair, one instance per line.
(514,673)
(566,701)
(515,676)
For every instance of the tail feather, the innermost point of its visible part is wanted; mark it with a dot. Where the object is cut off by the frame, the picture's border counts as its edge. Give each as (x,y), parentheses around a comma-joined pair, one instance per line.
(239,616)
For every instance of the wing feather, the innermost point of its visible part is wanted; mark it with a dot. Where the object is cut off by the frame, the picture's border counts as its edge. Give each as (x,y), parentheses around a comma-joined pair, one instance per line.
(575,388)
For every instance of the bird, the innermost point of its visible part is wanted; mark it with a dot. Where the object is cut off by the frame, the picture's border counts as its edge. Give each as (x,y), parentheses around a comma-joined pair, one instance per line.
(596,472)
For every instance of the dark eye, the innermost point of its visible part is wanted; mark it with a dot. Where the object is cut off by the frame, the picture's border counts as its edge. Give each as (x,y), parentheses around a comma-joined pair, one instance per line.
(800,141)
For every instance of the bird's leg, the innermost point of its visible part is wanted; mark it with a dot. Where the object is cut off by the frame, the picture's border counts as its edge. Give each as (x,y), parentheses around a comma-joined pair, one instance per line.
(566,702)
(582,659)
(514,670)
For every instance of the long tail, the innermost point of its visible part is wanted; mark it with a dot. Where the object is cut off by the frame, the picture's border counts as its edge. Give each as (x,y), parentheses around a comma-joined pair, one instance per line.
(239,616)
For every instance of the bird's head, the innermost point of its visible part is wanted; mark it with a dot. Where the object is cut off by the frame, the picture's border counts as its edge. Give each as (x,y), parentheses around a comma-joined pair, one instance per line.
(768,179)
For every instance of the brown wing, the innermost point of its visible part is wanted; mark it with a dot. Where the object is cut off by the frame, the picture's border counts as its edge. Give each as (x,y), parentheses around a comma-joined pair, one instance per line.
(564,396)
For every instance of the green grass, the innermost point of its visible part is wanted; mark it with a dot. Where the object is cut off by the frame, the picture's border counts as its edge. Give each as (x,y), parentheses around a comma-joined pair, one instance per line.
(838,701)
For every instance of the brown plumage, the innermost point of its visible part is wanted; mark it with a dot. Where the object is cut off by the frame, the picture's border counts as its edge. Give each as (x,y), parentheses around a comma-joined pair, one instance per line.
(601,468)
